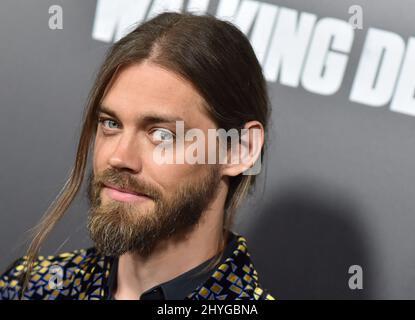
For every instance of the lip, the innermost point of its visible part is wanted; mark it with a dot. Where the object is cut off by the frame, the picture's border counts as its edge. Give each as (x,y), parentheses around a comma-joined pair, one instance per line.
(124,195)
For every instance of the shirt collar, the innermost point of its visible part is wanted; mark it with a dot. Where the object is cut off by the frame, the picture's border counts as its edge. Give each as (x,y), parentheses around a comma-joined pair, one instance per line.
(179,287)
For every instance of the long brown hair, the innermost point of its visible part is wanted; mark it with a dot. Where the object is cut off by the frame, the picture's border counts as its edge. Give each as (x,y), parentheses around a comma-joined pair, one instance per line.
(213,55)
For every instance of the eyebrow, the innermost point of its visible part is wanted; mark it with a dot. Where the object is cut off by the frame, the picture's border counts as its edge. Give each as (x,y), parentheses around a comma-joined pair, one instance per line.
(149,118)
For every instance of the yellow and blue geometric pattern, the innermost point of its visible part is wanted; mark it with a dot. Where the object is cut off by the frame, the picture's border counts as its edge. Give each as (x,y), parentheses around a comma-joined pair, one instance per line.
(83,275)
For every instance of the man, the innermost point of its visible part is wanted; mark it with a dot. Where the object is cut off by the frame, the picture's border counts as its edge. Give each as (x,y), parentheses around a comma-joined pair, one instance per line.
(161,229)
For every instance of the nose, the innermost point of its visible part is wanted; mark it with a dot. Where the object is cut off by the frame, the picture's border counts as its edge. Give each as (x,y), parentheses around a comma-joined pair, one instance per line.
(126,154)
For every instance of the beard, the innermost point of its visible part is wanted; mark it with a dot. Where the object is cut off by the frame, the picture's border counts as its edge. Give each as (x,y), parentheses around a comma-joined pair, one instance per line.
(118,227)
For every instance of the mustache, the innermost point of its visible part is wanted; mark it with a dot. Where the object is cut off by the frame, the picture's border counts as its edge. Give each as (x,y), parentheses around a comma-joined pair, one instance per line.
(125,182)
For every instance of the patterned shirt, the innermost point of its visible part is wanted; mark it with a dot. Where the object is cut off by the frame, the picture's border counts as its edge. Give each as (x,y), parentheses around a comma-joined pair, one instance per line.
(86,275)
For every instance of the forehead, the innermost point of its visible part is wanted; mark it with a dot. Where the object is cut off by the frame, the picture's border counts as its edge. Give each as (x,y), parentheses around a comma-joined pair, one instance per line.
(147,87)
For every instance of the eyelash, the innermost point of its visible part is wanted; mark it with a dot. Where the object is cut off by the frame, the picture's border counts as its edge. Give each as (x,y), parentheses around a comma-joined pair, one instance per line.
(101,121)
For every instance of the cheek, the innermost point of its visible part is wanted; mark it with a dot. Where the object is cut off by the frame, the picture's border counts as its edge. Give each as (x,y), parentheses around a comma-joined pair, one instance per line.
(101,153)
(170,176)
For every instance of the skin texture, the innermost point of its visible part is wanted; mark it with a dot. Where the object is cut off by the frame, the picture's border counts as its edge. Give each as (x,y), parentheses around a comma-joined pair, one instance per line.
(183,213)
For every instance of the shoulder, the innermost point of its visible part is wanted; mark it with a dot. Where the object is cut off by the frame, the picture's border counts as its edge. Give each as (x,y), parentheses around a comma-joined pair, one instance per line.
(48,272)
(235,278)
(248,275)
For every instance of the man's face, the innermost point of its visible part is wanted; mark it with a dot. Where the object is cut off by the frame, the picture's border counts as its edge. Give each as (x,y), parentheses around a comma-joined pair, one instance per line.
(140,108)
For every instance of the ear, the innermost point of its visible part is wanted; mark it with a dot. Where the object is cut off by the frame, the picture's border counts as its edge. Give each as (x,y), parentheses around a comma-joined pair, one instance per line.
(247,153)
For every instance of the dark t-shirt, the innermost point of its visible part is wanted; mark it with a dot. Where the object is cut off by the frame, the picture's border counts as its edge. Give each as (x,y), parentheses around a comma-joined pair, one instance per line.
(179,287)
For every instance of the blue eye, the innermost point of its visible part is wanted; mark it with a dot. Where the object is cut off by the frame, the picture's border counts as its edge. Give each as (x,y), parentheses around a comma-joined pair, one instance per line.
(163,135)
(107,123)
